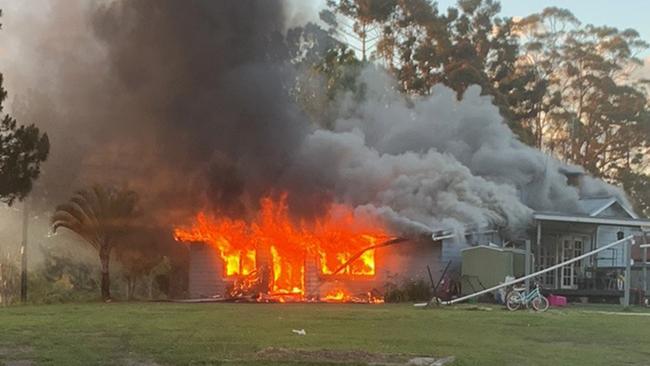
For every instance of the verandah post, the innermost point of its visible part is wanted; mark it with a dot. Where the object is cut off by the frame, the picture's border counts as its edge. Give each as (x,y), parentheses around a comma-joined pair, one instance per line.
(628,272)
(645,269)
(527,265)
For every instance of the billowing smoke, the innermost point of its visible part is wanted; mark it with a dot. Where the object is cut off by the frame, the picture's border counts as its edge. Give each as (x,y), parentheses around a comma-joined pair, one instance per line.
(187,102)
(437,163)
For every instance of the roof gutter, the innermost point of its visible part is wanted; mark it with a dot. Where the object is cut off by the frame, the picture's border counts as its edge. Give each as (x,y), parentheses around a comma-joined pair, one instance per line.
(591,220)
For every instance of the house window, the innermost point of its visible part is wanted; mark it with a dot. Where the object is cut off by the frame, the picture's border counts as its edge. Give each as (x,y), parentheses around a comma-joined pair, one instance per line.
(577,251)
(572,247)
(546,260)
(364,265)
(239,263)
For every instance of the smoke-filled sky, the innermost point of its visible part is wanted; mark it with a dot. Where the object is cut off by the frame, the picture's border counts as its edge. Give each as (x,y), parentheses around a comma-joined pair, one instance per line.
(186,102)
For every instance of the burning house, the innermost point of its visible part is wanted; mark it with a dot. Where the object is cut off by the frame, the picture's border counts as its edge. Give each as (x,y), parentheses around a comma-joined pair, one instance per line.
(338,258)
(343,256)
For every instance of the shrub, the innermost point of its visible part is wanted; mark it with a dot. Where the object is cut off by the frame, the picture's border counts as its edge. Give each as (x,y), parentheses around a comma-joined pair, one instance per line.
(9,279)
(407,291)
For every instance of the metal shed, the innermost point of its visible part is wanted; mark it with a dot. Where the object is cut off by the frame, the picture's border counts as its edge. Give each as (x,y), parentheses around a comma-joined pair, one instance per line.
(485,266)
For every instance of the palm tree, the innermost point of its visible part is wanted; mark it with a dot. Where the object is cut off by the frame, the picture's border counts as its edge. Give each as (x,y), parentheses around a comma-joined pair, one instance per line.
(100,215)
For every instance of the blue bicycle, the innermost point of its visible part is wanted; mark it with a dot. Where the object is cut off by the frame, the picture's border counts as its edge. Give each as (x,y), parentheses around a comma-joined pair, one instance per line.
(519,297)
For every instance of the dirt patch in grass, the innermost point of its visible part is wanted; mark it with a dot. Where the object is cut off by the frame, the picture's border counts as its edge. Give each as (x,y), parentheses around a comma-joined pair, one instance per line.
(132,362)
(14,355)
(7,350)
(343,357)
(18,363)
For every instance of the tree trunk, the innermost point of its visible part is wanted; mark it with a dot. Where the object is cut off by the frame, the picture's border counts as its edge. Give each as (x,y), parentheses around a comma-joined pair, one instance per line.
(130,287)
(104,257)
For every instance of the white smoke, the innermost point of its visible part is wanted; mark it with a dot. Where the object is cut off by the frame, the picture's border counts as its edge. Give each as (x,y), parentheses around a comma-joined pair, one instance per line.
(435,163)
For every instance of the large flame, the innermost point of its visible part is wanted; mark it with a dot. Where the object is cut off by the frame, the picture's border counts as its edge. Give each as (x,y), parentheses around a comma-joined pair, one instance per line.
(333,239)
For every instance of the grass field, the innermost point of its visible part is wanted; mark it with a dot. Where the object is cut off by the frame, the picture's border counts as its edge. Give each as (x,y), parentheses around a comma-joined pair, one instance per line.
(232,334)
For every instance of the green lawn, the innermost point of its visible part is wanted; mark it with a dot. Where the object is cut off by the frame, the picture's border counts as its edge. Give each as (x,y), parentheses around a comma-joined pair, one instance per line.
(232,334)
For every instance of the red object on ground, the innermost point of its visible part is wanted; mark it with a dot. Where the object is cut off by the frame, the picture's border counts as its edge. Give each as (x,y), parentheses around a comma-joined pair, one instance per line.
(557,301)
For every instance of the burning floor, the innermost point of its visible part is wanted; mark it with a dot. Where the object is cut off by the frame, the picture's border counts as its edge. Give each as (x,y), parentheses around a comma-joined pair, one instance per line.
(340,257)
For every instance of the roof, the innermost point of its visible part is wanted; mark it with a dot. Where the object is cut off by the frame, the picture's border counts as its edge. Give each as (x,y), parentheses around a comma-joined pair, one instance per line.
(586,219)
(595,206)
(607,210)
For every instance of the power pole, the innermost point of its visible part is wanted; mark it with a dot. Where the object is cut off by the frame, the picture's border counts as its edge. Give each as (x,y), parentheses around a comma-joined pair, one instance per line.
(23,255)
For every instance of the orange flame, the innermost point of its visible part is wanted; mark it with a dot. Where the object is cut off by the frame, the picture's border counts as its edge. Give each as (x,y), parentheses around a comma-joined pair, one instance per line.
(337,295)
(333,239)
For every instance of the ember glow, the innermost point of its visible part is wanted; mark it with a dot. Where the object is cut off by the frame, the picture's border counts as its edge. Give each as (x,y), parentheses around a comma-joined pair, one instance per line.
(338,240)
(341,295)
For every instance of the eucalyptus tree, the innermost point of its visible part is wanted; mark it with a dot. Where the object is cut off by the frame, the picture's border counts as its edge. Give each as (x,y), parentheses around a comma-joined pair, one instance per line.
(593,112)
(465,45)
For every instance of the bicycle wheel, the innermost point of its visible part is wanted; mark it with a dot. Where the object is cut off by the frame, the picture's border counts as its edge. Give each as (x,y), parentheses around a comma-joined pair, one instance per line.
(514,300)
(540,303)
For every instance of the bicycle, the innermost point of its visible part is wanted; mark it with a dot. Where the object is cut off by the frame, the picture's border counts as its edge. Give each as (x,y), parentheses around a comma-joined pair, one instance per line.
(518,297)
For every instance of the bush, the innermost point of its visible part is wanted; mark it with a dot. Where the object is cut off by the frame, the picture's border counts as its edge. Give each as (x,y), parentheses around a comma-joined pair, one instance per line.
(61,278)
(9,279)
(41,289)
(408,291)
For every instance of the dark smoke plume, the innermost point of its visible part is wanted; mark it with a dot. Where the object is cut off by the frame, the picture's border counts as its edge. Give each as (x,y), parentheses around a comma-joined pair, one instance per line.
(184,101)
(208,79)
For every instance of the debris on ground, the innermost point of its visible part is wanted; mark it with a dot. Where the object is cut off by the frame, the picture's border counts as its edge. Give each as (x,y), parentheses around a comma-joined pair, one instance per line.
(299,331)
(430,361)
(478,308)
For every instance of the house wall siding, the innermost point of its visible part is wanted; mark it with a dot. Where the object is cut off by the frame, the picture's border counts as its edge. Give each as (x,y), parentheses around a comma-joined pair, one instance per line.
(615,211)
(614,257)
(451,252)
(205,272)
(398,264)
